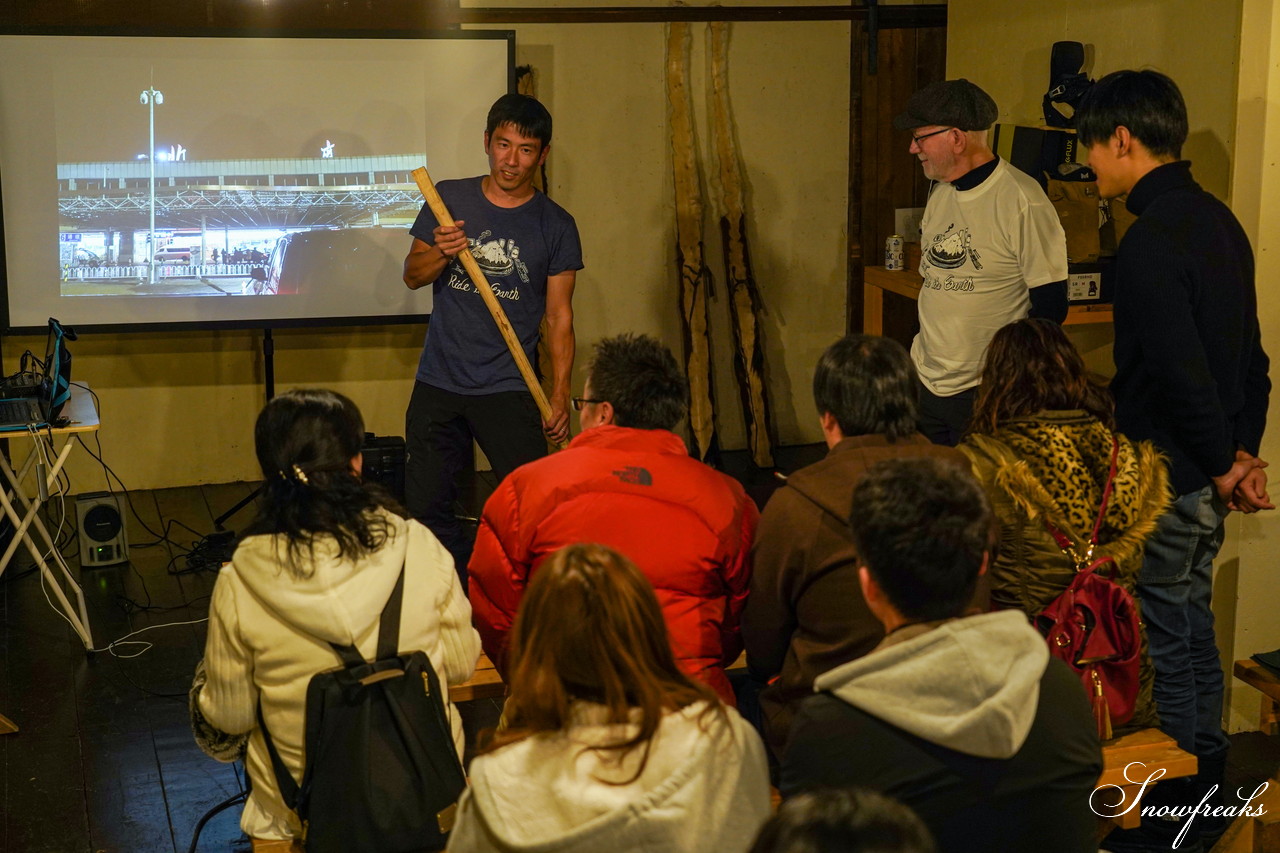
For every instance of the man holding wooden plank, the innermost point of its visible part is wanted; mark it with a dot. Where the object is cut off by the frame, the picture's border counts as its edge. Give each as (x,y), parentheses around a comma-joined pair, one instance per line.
(468,384)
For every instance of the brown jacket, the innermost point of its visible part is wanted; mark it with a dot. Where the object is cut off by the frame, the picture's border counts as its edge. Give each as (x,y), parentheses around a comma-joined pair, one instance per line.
(806,614)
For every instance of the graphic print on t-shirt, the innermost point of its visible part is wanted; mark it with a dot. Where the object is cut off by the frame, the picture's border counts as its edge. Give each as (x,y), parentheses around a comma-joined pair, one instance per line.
(949,249)
(496,259)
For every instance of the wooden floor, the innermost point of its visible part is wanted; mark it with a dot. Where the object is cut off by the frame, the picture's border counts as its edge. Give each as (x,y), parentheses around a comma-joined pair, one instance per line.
(104,760)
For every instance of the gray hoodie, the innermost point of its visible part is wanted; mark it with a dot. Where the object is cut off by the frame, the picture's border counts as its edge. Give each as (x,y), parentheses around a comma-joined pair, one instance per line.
(967,721)
(970,684)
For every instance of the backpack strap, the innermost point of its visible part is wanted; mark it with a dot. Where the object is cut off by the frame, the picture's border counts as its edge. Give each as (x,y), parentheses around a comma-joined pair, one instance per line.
(1061,538)
(388,646)
(284,779)
(389,624)
(388,629)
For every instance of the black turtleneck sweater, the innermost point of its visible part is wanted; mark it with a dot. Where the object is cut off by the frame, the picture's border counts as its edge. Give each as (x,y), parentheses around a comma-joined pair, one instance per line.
(1191,374)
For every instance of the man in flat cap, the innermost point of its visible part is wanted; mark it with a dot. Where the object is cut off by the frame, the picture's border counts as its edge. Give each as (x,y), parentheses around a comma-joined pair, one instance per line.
(992,250)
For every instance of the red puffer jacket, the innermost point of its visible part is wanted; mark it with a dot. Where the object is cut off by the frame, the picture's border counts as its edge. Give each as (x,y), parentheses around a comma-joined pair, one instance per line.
(687,526)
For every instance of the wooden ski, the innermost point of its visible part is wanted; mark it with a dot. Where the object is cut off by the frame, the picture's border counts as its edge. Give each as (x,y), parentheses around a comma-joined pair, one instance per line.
(689,247)
(744,296)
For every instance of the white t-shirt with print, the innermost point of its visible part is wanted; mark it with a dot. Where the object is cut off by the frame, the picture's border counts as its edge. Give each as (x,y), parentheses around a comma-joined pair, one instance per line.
(981,250)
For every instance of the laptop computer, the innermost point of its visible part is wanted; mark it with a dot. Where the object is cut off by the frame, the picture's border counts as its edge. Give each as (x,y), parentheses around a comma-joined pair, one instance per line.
(37,410)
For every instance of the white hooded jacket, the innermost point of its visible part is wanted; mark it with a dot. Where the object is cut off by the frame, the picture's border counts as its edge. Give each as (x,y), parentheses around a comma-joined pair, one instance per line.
(705,787)
(269,633)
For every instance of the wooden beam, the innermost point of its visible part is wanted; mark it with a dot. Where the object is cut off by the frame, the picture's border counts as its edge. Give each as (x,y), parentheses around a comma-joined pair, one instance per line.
(890,17)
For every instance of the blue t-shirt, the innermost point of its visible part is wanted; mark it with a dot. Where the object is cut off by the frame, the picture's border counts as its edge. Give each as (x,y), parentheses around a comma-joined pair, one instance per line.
(517,248)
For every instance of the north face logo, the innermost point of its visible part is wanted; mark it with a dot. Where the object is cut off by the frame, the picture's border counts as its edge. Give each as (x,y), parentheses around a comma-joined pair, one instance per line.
(635,475)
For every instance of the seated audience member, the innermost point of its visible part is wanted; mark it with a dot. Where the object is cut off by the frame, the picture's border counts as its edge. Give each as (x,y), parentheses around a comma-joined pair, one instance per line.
(1040,444)
(627,482)
(316,567)
(606,744)
(843,820)
(805,613)
(966,719)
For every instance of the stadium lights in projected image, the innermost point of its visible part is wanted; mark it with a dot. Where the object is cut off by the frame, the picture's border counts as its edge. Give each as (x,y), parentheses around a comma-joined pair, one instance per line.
(198,182)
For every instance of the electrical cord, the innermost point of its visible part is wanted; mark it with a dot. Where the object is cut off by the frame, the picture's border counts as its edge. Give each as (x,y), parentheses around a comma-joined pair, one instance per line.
(222,806)
(123,488)
(110,474)
(125,641)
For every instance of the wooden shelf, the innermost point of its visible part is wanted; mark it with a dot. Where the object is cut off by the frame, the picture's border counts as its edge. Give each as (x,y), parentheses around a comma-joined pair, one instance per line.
(906,283)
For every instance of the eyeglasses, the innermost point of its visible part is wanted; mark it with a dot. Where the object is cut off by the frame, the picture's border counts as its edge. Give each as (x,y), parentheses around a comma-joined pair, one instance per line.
(916,139)
(579,402)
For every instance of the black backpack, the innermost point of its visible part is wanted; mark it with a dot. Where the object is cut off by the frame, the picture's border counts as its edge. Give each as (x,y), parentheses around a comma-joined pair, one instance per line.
(380,771)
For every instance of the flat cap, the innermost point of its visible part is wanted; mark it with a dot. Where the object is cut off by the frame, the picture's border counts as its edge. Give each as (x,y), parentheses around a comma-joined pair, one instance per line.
(954,103)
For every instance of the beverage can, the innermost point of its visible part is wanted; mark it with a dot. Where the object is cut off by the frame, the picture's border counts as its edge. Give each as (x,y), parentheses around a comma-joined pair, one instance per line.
(893,253)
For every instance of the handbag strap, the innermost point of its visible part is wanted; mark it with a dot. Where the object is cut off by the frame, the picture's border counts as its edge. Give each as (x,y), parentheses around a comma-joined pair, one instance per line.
(1061,538)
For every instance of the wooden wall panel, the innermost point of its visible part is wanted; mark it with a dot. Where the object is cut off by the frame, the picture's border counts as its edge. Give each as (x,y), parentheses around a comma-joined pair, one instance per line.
(884,175)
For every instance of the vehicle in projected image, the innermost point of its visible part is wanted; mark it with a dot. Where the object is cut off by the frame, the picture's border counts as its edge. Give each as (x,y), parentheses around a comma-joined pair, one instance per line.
(305,261)
(174,255)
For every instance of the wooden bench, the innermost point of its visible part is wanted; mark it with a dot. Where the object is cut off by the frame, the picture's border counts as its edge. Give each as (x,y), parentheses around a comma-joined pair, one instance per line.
(1153,750)
(1256,675)
(485,683)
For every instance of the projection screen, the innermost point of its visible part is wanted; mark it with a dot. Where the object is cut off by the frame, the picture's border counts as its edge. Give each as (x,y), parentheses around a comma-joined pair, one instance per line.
(230,181)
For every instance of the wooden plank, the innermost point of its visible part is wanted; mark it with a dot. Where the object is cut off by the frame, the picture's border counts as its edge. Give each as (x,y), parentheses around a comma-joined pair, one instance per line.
(890,17)
(122,789)
(485,683)
(45,798)
(1081,314)
(1153,751)
(853,289)
(872,308)
(907,283)
(1257,676)
(1151,747)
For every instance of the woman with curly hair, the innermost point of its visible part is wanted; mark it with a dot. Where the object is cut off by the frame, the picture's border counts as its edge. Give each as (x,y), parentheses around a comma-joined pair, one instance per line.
(606,744)
(316,567)
(1041,443)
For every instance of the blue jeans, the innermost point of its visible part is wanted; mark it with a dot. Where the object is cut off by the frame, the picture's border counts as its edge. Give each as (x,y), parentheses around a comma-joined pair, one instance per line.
(1175,586)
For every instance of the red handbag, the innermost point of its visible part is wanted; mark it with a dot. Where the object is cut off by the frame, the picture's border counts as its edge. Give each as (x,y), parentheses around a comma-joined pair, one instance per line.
(1093,626)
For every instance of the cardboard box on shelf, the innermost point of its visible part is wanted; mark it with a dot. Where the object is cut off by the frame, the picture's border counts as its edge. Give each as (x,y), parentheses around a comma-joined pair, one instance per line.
(1089,283)
(1035,150)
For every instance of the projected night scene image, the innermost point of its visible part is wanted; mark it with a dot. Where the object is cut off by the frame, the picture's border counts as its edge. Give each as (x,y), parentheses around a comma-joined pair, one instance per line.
(175,186)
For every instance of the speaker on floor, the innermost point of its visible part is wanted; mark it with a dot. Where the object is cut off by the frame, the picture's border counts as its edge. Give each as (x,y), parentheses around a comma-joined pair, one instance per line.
(384,462)
(102,537)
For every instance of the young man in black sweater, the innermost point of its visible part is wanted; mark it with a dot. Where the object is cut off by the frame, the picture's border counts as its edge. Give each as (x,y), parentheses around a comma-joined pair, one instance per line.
(1191,375)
